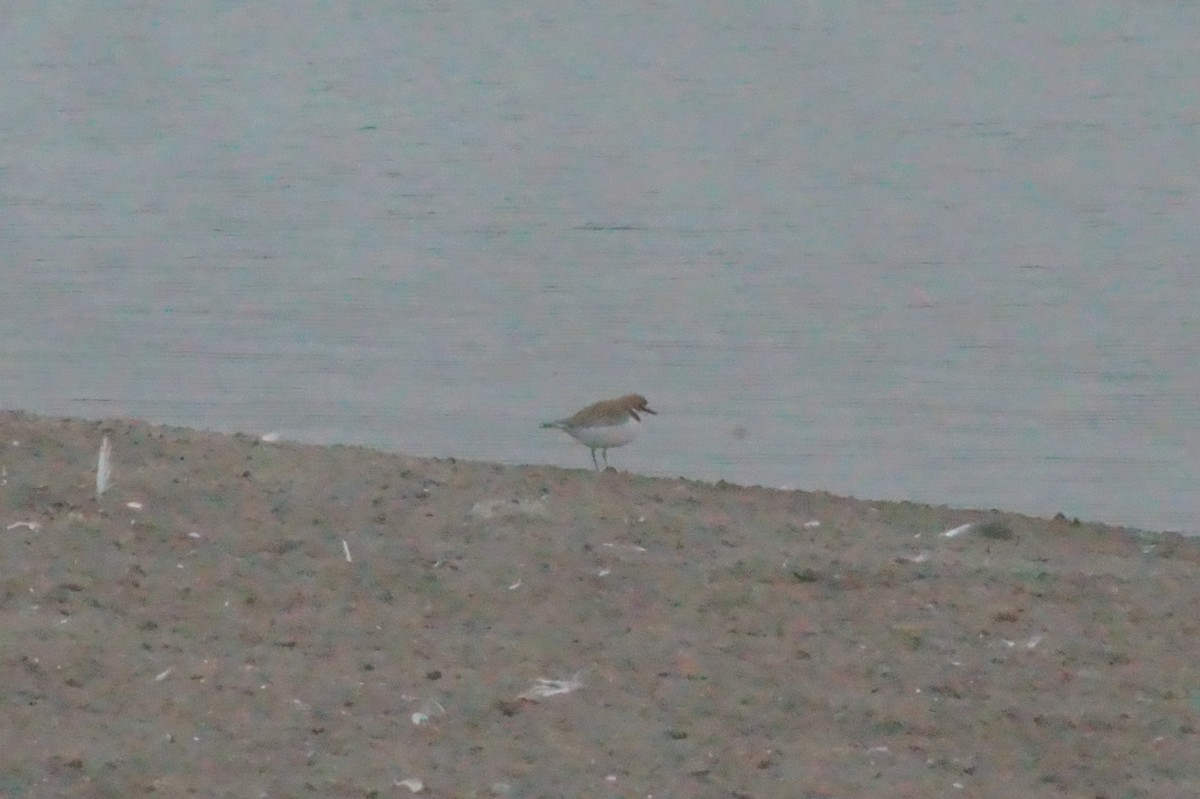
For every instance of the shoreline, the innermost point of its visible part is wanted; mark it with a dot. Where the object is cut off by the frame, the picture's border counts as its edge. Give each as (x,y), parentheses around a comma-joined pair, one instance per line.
(101,425)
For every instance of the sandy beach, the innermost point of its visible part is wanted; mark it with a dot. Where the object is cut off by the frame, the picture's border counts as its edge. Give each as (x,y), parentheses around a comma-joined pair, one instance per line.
(241,618)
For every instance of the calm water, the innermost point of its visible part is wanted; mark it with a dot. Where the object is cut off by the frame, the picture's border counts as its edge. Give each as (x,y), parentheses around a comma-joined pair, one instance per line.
(931,250)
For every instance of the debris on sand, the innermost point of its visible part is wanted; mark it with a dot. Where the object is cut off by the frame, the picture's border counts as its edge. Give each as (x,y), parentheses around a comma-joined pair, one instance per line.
(510,508)
(412,783)
(545,688)
(429,709)
(103,467)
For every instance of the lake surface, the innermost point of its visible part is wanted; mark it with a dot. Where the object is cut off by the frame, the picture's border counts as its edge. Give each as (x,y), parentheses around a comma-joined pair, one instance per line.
(931,250)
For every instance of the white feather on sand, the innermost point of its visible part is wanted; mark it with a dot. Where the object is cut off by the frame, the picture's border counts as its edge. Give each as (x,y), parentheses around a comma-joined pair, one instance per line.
(103,467)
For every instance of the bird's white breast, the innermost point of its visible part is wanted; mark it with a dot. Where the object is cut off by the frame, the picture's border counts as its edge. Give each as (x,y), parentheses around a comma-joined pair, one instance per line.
(604,436)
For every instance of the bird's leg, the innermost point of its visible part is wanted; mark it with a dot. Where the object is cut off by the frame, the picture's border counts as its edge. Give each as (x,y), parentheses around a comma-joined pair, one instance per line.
(604,452)
(594,463)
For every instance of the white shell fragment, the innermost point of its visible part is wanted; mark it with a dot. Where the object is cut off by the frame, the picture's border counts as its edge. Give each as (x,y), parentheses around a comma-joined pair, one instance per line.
(546,687)
(962,528)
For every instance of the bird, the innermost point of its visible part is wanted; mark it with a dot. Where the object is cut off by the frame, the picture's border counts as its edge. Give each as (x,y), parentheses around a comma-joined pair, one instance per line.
(604,424)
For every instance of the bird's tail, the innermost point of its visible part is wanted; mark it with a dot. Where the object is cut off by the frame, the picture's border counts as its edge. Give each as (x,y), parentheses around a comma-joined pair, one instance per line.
(559,425)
